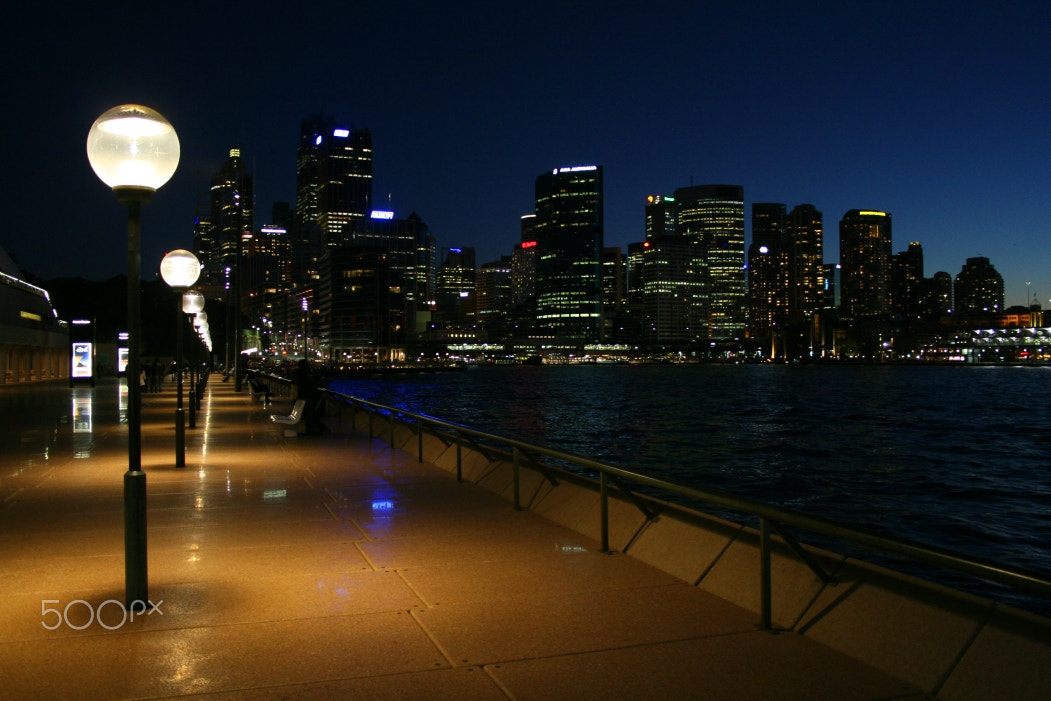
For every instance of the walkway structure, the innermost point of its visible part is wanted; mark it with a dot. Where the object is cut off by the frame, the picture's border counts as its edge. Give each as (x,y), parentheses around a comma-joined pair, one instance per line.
(336,567)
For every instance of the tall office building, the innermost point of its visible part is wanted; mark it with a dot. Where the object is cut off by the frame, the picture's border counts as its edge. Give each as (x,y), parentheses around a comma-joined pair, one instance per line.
(906,282)
(661,216)
(232,199)
(612,290)
(978,289)
(492,298)
(768,267)
(669,295)
(712,218)
(937,296)
(805,236)
(333,187)
(864,254)
(569,238)
(397,255)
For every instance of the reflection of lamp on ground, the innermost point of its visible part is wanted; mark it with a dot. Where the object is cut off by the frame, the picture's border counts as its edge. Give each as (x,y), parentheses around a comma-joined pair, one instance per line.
(133,150)
(180,269)
(192,303)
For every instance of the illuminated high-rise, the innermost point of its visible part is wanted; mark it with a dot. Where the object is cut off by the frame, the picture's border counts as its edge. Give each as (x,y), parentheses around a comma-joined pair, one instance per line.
(978,289)
(232,198)
(569,238)
(805,236)
(865,255)
(333,187)
(712,218)
(907,286)
(768,265)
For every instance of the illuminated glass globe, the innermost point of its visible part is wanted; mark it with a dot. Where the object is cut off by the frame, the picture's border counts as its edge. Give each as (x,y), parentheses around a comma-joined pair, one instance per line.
(131,146)
(180,268)
(192,302)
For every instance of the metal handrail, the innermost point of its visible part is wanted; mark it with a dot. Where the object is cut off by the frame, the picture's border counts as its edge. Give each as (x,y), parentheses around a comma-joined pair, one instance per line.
(769,516)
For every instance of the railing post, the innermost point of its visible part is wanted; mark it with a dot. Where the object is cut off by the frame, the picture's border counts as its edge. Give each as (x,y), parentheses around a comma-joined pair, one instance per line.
(392,429)
(764,573)
(419,438)
(517,470)
(603,511)
(371,435)
(459,458)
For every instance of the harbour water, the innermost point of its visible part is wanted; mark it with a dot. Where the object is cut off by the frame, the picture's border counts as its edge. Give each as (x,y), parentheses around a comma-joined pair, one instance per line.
(955,457)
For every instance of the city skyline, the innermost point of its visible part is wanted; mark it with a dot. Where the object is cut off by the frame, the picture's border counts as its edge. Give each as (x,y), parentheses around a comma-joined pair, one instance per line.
(934,116)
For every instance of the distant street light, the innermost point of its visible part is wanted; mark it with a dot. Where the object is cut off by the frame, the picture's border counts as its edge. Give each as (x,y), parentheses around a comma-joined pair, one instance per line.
(192,304)
(133,150)
(180,269)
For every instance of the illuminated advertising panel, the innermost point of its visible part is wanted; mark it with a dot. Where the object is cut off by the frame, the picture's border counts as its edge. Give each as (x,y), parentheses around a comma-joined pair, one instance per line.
(122,360)
(81,361)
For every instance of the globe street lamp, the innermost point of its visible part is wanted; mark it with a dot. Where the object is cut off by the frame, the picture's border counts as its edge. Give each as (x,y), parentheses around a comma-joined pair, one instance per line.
(192,303)
(180,269)
(133,150)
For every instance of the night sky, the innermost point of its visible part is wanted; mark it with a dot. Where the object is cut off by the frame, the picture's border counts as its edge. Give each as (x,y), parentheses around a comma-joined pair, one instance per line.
(937,112)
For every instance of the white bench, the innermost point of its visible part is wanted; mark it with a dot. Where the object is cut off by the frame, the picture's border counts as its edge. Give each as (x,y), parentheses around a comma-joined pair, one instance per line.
(292,419)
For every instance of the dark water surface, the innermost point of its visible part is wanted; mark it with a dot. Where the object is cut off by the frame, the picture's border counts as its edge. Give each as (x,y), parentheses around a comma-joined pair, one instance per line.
(955,457)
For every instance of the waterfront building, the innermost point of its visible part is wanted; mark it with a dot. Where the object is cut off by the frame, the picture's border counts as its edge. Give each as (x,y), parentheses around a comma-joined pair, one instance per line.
(670,293)
(906,274)
(805,237)
(711,217)
(768,270)
(523,264)
(978,289)
(612,290)
(455,289)
(523,273)
(34,343)
(569,237)
(864,254)
(405,252)
(493,297)
(936,297)
(361,313)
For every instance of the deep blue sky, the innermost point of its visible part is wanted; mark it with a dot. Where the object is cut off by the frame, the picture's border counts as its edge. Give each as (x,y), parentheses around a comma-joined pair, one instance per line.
(937,112)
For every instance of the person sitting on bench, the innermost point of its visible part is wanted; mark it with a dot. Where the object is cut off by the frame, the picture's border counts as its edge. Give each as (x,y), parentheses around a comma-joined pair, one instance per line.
(259,387)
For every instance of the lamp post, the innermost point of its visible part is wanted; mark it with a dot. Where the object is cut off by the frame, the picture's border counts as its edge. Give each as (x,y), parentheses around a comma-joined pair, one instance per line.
(192,303)
(180,269)
(133,150)
(306,308)
(200,324)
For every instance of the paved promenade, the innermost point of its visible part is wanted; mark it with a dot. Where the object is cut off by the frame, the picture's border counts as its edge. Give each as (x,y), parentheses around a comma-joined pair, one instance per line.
(333,567)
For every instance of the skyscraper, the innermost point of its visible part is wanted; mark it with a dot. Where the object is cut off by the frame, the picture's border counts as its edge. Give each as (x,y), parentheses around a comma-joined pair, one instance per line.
(712,218)
(978,289)
(768,268)
(569,237)
(864,254)
(333,186)
(805,234)
(906,289)
(232,199)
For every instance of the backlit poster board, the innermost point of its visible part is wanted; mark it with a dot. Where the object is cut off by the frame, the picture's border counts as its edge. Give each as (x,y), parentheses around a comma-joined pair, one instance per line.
(122,360)
(82,357)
